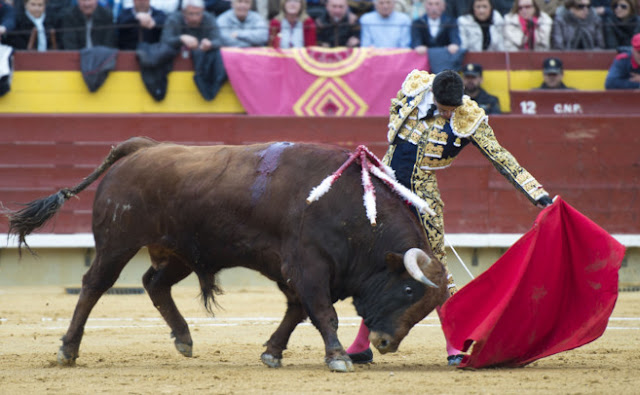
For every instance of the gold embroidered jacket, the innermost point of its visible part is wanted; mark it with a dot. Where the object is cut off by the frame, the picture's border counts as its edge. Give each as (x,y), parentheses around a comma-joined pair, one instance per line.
(441,143)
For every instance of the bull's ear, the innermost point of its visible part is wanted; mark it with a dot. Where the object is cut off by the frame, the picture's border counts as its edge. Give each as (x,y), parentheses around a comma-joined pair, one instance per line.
(395,261)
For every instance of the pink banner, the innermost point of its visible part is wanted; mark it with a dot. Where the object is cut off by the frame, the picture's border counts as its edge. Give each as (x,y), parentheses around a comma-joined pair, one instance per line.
(319,81)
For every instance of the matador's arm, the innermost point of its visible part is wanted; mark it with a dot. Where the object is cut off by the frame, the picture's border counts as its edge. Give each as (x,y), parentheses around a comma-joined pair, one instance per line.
(506,164)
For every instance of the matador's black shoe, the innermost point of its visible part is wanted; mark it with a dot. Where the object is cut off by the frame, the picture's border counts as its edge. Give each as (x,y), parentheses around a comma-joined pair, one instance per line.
(454,360)
(363,357)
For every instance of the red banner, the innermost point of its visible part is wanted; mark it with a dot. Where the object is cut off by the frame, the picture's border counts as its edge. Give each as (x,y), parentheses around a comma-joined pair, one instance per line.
(552,291)
(319,81)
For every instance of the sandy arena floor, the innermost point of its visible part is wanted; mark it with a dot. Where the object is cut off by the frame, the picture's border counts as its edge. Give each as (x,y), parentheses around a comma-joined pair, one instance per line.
(127,350)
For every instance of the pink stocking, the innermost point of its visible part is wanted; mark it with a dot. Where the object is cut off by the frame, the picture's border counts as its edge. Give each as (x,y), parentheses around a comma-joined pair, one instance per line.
(361,343)
(451,350)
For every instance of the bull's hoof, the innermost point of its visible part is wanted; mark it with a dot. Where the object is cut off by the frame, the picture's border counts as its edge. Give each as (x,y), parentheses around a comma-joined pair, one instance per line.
(184,349)
(342,365)
(64,359)
(270,360)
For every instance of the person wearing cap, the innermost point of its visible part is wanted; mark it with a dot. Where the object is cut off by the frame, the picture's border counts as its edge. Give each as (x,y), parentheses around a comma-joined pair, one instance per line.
(624,73)
(472,74)
(552,72)
(431,120)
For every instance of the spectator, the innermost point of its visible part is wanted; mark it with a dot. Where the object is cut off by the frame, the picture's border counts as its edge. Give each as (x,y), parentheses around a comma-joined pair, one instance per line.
(192,28)
(472,73)
(553,73)
(550,7)
(481,29)
(579,27)
(435,29)
(624,73)
(7,19)
(292,28)
(241,27)
(338,26)
(35,29)
(526,28)
(87,25)
(621,24)
(384,27)
(140,23)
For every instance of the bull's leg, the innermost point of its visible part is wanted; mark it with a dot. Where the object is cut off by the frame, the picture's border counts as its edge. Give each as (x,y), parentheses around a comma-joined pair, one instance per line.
(101,276)
(158,280)
(317,303)
(278,341)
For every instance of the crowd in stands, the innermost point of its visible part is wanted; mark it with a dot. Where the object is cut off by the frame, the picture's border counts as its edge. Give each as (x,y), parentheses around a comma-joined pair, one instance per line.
(472,25)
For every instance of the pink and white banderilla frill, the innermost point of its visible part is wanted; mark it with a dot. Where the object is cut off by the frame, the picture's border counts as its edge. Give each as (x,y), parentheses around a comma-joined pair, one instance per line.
(371,165)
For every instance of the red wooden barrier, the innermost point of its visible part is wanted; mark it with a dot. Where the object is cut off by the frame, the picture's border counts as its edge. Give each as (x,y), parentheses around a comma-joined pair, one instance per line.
(566,102)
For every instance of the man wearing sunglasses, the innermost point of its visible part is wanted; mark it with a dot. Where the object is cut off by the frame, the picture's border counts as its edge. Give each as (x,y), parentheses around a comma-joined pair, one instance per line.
(578,28)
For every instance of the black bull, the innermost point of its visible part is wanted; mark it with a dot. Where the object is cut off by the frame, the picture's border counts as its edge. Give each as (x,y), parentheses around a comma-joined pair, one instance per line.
(203,209)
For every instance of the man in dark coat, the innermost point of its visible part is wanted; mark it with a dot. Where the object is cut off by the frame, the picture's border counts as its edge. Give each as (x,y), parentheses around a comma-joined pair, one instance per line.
(337,26)
(473,88)
(435,29)
(140,23)
(87,25)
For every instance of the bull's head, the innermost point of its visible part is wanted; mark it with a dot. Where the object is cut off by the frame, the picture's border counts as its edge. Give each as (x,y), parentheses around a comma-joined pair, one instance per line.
(416,286)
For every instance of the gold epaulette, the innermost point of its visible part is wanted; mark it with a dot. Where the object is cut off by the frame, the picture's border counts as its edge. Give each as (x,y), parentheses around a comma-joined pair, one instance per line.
(417,82)
(467,118)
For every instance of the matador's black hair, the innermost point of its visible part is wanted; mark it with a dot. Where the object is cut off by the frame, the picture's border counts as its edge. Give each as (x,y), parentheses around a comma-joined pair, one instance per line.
(448,88)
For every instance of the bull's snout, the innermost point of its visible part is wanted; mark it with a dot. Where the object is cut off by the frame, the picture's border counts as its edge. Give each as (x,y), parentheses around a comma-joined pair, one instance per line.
(383,342)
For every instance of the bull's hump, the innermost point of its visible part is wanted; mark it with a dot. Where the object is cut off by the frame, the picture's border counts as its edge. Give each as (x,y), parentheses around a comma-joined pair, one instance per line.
(269,159)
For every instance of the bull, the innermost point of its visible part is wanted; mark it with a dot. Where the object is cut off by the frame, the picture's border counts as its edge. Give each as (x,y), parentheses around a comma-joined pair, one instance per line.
(206,208)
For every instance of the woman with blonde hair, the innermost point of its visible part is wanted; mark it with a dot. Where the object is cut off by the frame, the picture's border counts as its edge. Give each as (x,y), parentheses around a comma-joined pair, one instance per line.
(292,27)
(526,28)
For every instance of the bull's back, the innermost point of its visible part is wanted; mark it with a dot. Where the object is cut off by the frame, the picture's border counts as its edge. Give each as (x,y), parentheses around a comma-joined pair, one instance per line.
(223,189)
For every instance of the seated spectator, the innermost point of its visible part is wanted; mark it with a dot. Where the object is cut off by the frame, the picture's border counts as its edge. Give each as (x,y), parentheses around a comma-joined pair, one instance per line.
(241,27)
(472,74)
(35,30)
(292,28)
(192,28)
(141,23)
(624,73)
(87,25)
(526,28)
(481,29)
(579,27)
(435,29)
(384,27)
(621,24)
(553,73)
(338,26)
(7,19)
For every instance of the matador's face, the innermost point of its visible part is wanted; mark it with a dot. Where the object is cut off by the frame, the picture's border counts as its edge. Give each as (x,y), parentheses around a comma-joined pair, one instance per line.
(445,111)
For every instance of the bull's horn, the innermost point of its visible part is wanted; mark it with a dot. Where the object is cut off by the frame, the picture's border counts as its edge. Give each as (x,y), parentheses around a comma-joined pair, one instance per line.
(411,259)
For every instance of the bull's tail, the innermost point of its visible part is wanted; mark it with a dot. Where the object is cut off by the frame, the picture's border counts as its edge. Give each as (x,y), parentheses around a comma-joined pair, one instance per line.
(36,213)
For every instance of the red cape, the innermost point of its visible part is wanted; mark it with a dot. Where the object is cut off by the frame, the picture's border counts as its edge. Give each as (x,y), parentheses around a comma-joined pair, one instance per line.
(552,291)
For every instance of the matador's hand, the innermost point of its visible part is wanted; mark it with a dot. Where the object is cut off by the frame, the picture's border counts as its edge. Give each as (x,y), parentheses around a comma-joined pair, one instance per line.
(544,201)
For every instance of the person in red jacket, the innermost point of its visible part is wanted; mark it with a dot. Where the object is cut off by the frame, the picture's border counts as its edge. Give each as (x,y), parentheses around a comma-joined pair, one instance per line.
(292,27)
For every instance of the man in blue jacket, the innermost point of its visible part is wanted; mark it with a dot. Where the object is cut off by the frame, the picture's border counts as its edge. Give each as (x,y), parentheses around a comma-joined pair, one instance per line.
(624,73)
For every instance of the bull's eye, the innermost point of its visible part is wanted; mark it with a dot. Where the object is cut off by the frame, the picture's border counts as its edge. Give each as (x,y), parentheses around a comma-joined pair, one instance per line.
(408,290)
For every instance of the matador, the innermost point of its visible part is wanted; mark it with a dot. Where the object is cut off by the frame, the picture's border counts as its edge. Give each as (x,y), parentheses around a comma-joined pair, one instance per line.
(430,122)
